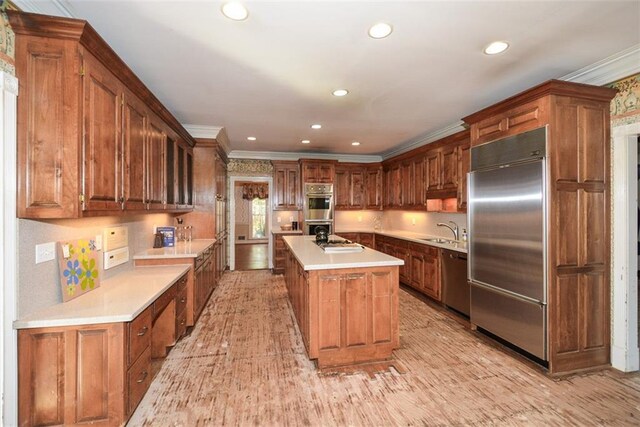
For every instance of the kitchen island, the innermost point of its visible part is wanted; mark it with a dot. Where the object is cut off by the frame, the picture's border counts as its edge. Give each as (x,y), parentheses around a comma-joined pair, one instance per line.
(346,304)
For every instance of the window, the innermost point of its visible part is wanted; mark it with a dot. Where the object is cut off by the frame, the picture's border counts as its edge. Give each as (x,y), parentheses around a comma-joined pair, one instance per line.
(258,218)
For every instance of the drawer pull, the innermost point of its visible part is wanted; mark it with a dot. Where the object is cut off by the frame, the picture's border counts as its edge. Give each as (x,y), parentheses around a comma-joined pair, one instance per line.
(182,322)
(143,331)
(144,377)
(183,300)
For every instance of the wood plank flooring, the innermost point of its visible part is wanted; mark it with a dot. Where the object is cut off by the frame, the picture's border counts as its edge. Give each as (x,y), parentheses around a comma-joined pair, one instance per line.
(253,256)
(245,364)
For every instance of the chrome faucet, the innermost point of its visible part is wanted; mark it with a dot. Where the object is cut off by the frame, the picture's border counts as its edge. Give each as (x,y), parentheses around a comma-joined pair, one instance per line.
(453,229)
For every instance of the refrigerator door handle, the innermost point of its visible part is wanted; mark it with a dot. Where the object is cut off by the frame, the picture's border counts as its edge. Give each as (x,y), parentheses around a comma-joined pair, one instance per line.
(507,292)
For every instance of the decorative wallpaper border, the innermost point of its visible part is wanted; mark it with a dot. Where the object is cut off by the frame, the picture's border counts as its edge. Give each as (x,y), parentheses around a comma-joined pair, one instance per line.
(625,106)
(241,167)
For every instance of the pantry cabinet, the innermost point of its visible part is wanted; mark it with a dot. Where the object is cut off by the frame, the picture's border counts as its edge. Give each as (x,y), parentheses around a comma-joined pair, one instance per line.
(91,137)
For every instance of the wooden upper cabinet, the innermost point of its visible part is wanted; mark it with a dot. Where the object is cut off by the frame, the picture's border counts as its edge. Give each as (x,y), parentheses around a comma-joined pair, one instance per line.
(134,129)
(48,134)
(287,187)
(464,164)
(317,171)
(102,138)
(155,165)
(373,187)
(449,169)
(433,176)
(86,141)
(350,187)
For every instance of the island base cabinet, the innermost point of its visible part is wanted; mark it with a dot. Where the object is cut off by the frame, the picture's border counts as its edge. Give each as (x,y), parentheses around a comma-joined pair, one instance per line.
(353,315)
(72,375)
(345,316)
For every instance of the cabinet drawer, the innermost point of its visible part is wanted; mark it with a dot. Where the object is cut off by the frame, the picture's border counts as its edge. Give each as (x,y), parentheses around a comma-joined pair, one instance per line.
(199,260)
(139,379)
(181,302)
(181,324)
(164,300)
(182,283)
(423,249)
(139,334)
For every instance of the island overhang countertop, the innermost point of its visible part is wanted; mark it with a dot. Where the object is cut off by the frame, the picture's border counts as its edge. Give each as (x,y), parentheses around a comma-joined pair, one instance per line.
(312,257)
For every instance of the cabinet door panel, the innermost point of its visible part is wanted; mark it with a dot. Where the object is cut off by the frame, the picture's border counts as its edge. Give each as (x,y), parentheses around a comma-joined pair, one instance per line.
(102,162)
(291,195)
(355,312)
(135,121)
(449,168)
(373,189)
(155,167)
(92,374)
(464,164)
(342,189)
(357,189)
(433,170)
(329,312)
(382,295)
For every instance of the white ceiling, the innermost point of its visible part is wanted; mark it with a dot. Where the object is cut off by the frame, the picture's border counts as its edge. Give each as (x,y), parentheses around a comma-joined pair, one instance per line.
(272,75)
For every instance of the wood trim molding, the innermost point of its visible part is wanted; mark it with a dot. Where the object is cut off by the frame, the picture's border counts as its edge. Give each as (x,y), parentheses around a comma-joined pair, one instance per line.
(426,139)
(551,87)
(275,155)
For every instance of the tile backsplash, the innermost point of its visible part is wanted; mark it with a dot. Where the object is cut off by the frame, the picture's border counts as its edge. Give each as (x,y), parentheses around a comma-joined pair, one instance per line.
(418,222)
(39,284)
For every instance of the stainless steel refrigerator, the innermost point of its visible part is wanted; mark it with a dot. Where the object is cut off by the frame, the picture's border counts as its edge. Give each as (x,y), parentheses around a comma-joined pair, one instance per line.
(507,240)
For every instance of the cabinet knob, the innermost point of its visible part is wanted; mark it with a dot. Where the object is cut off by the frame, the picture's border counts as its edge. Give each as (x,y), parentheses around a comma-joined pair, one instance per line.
(143,331)
(143,377)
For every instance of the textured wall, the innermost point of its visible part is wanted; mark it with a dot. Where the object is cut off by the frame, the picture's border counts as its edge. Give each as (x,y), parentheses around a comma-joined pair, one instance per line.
(39,284)
(625,106)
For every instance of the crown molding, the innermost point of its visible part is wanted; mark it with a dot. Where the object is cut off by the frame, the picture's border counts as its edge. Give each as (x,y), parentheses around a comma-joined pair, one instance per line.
(51,7)
(276,155)
(424,139)
(608,70)
(202,131)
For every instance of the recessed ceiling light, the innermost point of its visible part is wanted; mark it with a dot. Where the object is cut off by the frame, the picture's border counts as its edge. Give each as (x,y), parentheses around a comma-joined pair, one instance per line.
(316,126)
(251,138)
(235,10)
(340,92)
(380,30)
(305,141)
(355,143)
(496,48)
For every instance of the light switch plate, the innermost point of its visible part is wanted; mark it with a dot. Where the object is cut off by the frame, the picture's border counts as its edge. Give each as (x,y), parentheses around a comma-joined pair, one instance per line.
(114,238)
(115,257)
(45,252)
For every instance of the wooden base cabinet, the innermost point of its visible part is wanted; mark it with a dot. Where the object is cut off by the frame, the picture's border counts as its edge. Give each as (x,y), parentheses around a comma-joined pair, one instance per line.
(577,122)
(94,374)
(345,316)
(279,251)
(421,269)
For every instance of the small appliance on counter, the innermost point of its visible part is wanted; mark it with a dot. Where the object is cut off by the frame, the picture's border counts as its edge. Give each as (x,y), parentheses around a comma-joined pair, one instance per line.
(158,240)
(322,235)
(168,236)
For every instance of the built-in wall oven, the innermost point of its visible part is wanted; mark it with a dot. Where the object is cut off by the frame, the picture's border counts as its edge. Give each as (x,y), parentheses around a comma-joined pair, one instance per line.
(318,207)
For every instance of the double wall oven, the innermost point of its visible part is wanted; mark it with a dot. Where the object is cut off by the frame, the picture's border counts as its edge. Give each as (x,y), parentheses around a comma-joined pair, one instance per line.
(318,207)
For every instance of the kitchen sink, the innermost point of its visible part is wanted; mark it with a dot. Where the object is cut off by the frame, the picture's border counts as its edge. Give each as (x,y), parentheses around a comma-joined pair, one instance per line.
(438,240)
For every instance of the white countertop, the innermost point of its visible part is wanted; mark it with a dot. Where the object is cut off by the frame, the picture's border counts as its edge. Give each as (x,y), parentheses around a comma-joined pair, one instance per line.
(416,238)
(181,250)
(118,299)
(312,257)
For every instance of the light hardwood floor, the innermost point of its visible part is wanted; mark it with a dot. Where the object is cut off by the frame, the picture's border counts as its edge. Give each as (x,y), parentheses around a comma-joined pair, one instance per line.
(245,364)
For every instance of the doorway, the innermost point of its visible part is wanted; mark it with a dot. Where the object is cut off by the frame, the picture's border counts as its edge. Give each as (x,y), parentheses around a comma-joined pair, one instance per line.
(625,354)
(250,224)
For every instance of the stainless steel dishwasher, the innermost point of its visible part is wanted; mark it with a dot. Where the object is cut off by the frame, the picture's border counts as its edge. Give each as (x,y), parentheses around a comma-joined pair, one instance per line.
(454,280)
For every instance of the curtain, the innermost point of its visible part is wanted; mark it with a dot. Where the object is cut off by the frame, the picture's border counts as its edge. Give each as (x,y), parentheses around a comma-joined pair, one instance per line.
(257,190)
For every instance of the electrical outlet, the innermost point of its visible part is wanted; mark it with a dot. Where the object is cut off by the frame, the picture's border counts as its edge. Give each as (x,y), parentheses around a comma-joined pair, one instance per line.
(45,252)
(279,219)
(359,218)
(98,242)
(413,221)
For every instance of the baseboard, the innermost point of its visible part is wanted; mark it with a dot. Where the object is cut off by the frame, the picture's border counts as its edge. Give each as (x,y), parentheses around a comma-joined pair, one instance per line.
(625,361)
